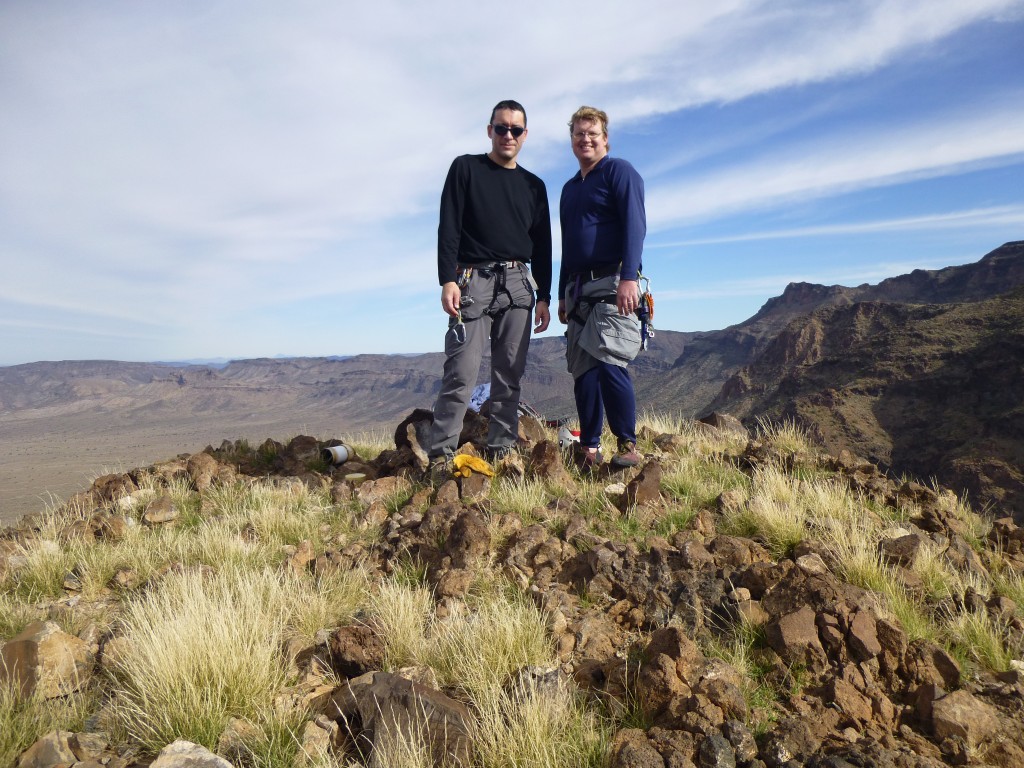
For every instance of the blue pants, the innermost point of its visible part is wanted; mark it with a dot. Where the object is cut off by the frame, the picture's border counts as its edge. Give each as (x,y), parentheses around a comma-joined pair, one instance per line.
(605,387)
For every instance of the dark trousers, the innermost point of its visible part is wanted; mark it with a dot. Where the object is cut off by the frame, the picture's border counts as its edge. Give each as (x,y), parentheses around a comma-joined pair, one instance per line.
(605,387)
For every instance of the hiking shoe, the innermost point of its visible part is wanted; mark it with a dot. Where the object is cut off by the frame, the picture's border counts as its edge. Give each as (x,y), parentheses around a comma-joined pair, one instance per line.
(499,453)
(626,455)
(586,462)
(439,471)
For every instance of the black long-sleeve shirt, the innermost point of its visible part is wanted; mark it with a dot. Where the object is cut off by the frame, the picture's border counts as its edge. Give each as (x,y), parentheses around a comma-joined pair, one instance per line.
(490,213)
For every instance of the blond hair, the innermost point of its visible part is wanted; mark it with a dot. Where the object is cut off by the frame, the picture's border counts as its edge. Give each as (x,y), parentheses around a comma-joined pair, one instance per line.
(592,114)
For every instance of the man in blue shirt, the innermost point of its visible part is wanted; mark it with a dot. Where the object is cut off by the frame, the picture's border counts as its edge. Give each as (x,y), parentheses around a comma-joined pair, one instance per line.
(603,228)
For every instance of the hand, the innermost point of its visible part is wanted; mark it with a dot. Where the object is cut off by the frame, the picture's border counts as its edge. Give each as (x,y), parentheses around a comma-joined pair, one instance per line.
(562,317)
(451,296)
(543,317)
(627,296)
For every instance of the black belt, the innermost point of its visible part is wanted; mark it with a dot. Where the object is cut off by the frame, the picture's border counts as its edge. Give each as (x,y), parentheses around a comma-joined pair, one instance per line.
(597,273)
(492,265)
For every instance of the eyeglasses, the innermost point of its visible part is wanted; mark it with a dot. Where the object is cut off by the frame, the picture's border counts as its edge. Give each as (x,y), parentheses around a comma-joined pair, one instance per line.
(515,130)
(581,135)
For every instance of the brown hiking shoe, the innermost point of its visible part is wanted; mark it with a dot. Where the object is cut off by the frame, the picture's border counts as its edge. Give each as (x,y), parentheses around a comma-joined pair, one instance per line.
(586,462)
(626,456)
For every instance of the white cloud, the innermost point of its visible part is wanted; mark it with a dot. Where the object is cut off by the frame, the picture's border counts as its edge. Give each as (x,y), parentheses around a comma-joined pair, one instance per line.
(172,163)
(842,163)
(998,216)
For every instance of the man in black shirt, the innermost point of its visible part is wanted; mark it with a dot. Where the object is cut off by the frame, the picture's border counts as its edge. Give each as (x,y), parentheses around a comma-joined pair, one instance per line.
(494,229)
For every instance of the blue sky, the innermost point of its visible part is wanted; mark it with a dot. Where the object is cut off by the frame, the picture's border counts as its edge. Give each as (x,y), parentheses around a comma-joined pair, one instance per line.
(245,179)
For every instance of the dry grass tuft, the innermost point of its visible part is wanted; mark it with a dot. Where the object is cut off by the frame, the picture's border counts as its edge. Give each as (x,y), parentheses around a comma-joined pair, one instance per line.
(202,650)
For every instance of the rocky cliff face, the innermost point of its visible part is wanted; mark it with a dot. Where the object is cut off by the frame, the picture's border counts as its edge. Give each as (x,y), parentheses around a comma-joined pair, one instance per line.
(920,373)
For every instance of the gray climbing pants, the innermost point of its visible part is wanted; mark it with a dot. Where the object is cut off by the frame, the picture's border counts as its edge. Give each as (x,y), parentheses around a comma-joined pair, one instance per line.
(502,311)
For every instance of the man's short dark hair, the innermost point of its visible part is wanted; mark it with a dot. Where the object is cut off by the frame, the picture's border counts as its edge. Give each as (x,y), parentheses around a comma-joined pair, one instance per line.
(515,106)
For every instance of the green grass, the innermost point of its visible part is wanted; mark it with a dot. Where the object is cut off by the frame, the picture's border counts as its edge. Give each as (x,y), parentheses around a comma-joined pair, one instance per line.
(215,607)
(26,719)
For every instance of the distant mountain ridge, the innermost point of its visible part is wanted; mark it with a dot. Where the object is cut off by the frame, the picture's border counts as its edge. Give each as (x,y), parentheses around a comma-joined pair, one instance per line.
(921,373)
(712,357)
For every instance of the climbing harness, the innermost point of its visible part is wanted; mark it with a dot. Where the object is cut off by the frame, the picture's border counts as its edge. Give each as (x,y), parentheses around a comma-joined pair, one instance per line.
(498,270)
(645,311)
(459,328)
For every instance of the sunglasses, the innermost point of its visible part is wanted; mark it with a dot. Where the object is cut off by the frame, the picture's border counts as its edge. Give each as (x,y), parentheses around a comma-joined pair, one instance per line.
(515,130)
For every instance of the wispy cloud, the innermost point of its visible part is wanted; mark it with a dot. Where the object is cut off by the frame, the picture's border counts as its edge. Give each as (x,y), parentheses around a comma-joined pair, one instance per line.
(1006,215)
(842,164)
(187,165)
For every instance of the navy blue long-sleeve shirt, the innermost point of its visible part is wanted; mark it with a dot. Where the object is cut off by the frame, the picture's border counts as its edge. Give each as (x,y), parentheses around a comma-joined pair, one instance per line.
(490,213)
(603,221)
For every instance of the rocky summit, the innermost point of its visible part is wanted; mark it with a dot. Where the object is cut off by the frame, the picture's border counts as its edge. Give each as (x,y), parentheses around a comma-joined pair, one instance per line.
(736,600)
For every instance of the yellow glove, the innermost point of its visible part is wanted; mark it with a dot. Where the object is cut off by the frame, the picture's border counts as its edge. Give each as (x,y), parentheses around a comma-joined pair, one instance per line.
(467,465)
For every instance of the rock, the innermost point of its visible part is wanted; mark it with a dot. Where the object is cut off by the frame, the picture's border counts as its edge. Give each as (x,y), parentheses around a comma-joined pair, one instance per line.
(469,540)
(315,745)
(670,443)
(722,685)
(88,746)
(455,582)
(531,431)
(301,449)
(962,715)
(383,489)
(929,663)
(795,638)
(631,749)
(185,754)
(203,469)
(901,551)
(107,489)
(414,432)
(794,739)
(862,639)
(849,700)
(301,559)
(716,752)
(812,563)
(546,463)
(44,659)
(658,687)
(723,422)
(236,740)
(52,749)
(355,649)
(645,488)
(386,705)
(475,487)
(529,682)
(161,510)
(448,493)
(742,739)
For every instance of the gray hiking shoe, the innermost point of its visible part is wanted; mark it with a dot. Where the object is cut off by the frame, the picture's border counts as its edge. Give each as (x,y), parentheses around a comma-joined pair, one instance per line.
(439,471)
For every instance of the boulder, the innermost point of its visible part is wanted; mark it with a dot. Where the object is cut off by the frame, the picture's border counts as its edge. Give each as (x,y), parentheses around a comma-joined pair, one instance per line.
(185,754)
(379,706)
(794,637)
(52,749)
(962,715)
(43,659)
